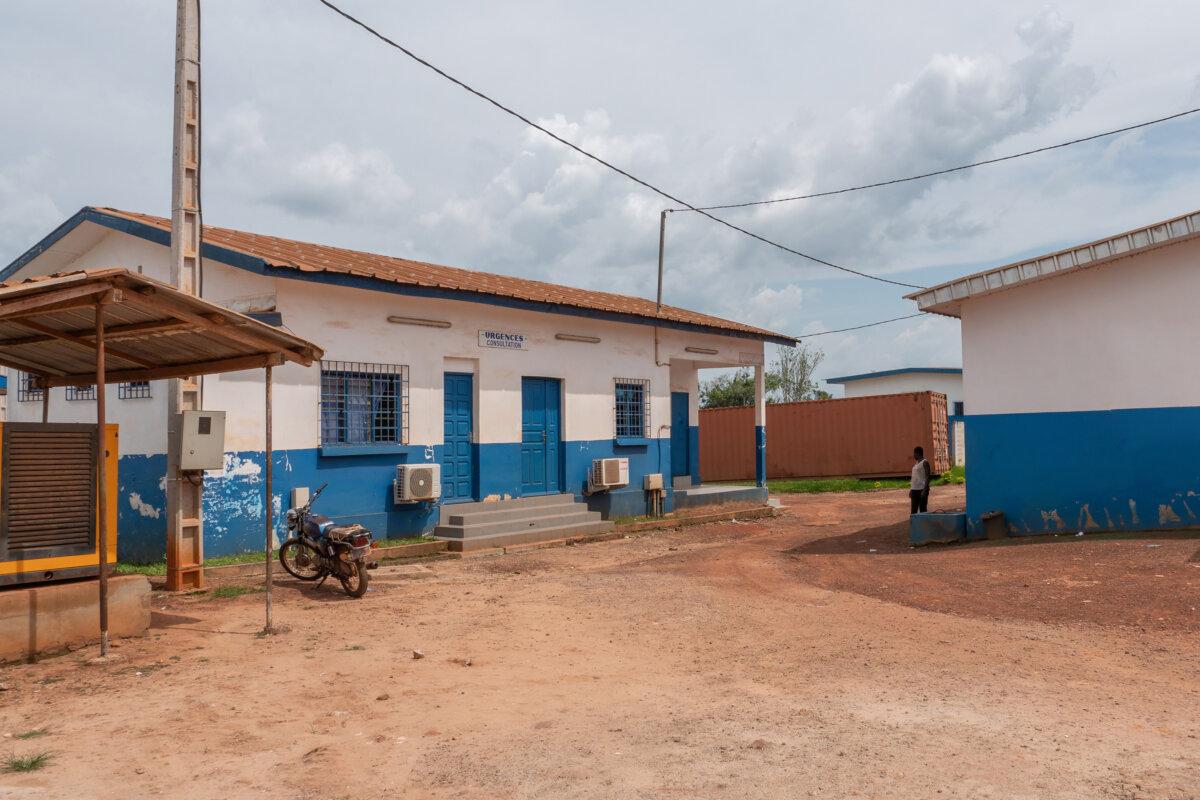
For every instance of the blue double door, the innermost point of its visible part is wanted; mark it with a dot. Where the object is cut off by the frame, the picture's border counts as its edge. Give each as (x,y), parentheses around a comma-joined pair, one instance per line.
(541,436)
(459,462)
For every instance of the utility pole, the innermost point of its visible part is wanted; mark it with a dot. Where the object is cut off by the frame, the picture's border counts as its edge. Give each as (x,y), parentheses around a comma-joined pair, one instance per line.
(185,529)
(662,241)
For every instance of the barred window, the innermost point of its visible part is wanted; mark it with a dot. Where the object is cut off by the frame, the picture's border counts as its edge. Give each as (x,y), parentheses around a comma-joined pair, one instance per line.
(81,392)
(25,388)
(633,407)
(363,404)
(133,390)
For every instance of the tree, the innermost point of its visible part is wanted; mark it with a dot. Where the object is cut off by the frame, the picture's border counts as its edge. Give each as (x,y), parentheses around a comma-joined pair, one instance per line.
(794,368)
(736,389)
(789,379)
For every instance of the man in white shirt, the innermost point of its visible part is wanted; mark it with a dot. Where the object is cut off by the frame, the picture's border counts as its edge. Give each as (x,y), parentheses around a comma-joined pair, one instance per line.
(922,474)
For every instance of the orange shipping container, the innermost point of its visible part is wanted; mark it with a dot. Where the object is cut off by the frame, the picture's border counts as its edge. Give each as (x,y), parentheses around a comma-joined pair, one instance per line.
(853,436)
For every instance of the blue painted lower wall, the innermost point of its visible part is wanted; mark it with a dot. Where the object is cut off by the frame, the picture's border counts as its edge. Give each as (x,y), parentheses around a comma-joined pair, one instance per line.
(360,490)
(1128,469)
(694,453)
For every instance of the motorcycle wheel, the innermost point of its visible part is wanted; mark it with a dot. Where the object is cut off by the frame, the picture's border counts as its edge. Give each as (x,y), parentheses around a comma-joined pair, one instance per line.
(300,559)
(356,584)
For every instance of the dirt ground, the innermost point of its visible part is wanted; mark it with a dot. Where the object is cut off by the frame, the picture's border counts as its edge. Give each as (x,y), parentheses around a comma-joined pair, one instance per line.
(810,655)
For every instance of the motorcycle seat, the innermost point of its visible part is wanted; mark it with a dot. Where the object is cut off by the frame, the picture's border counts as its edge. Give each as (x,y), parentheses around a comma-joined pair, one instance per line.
(344,531)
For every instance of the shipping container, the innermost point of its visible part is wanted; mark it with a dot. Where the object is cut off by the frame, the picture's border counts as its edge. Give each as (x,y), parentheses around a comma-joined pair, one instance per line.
(855,436)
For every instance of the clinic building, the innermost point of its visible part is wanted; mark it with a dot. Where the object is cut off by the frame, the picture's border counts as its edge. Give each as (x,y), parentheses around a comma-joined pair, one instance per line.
(1080,385)
(509,388)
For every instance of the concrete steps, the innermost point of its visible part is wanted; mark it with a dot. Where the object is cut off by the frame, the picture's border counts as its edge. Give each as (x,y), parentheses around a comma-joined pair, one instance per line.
(522,520)
(713,495)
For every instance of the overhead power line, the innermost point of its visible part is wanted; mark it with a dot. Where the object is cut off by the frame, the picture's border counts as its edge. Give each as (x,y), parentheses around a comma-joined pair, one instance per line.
(946,171)
(686,205)
(860,327)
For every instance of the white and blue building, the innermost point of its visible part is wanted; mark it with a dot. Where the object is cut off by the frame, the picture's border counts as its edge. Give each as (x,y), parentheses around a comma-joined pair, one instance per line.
(513,386)
(1080,384)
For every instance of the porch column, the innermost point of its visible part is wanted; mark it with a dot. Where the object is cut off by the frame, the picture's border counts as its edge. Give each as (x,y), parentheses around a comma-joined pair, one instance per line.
(760,425)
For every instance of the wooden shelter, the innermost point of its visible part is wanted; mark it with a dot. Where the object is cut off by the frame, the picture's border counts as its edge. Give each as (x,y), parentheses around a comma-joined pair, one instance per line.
(96,327)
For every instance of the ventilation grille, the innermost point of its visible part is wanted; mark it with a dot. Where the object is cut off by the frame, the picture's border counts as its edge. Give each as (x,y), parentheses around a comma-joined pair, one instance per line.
(49,489)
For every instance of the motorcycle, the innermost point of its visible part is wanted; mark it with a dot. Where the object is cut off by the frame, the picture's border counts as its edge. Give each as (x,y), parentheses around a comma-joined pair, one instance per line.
(316,548)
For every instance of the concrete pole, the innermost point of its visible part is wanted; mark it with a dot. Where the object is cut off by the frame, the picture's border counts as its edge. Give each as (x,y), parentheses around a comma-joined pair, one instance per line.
(760,425)
(102,479)
(185,529)
(662,241)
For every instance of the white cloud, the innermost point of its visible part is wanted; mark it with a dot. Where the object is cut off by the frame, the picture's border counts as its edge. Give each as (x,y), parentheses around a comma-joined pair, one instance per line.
(27,210)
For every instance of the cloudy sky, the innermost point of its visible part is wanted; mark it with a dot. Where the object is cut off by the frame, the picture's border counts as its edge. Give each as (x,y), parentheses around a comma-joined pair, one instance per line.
(315,131)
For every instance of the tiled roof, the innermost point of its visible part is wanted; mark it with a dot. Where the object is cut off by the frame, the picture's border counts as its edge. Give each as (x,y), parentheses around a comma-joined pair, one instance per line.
(317,258)
(946,298)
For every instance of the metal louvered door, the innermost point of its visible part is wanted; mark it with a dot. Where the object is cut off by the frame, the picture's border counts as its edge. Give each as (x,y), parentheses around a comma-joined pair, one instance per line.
(49,491)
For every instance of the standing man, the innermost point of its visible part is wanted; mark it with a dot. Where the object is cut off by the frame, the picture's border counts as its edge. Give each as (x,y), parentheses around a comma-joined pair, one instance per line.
(922,473)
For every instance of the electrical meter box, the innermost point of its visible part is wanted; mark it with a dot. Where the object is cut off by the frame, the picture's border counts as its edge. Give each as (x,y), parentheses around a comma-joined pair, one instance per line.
(203,445)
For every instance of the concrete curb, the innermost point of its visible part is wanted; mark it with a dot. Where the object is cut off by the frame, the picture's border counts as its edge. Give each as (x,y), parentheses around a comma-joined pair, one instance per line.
(632,529)
(256,570)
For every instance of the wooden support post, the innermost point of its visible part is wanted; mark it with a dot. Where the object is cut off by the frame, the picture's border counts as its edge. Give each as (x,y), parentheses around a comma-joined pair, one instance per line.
(102,479)
(45,404)
(270,502)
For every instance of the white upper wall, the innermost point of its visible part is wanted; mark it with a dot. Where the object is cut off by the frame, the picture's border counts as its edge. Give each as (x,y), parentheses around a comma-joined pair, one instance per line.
(1119,335)
(351,325)
(948,384)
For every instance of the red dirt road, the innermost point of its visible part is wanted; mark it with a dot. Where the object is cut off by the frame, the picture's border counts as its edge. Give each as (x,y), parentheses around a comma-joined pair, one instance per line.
(772,659)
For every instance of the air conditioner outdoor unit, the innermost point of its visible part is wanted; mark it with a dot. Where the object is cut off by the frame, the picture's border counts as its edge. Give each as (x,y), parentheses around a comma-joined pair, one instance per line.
(416,482)
(608,473)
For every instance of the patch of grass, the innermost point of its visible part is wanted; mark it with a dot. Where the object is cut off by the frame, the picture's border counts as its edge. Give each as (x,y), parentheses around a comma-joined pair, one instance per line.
(16,763)
(33,734)
(154,568)
(225,592)
(408,540)
(956,475)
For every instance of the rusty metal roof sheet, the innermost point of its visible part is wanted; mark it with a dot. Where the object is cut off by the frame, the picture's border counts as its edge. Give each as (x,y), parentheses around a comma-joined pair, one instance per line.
(304,259)
(152,331)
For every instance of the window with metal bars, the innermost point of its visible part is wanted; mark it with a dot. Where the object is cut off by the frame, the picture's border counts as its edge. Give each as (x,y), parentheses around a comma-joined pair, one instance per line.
(363,404)
(633,408)
(25,388)
(81,392)
(134,390)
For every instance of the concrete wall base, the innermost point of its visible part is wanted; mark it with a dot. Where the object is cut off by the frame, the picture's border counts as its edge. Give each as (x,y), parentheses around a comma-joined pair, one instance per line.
(37,620)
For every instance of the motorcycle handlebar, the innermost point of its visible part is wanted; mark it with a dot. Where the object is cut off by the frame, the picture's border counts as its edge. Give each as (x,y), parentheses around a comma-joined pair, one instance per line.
(315,495)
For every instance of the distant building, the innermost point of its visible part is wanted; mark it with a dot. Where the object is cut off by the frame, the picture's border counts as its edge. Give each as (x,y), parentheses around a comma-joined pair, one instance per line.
(1080,384)
(946,380)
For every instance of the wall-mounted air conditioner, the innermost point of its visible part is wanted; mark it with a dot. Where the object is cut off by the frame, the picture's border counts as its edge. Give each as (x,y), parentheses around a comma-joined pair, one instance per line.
(608,473)
(416,482)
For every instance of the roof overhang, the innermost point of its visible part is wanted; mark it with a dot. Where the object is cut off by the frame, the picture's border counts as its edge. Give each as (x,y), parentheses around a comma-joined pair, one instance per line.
(151,331)
(902,371)
(947,298)
(211,251)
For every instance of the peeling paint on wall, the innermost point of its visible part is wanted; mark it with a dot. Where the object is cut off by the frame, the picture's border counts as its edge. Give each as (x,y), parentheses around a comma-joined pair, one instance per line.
(1166,515)
(1086,522)
(1133,512)
(142,507)
(1051,517)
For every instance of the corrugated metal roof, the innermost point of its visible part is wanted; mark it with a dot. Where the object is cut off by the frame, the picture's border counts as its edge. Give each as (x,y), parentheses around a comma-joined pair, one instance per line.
(306,258)
(152,330)
(945,298)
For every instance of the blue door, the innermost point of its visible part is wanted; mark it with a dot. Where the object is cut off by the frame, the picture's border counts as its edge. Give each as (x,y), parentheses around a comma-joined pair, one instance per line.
(680,454)
(541,436)
(458,451)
